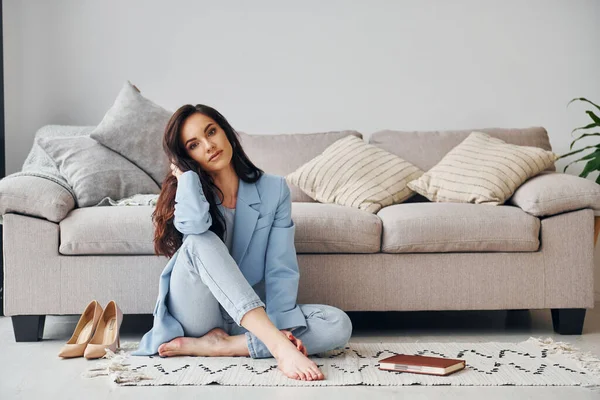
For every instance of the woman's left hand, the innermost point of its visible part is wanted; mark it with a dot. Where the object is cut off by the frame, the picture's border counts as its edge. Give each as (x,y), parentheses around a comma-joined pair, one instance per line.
(297,342)
(175,171)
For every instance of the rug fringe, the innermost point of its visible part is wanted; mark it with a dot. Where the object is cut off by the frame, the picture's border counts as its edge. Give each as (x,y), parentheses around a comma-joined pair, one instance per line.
(130,345)
(116,367)
(586,360)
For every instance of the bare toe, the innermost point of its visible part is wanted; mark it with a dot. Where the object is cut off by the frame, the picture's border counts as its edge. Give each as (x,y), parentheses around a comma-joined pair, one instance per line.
(293,375)
(298,375)
(316,373)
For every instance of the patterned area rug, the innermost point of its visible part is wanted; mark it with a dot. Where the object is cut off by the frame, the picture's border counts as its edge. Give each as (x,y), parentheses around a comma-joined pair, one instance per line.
(534,362)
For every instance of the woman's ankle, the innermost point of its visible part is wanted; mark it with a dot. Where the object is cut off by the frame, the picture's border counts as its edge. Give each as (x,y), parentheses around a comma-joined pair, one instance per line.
(279,344)
(236,346)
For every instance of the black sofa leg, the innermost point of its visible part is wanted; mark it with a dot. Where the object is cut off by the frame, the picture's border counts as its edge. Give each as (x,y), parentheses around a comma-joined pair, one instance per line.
(568,321)
(28,328)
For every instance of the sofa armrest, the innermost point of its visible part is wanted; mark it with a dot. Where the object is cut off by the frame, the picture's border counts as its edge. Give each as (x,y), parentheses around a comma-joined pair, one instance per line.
(551,193)
(35,196)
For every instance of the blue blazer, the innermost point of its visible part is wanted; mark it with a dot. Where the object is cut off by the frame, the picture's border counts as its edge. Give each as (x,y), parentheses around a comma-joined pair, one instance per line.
(263,248)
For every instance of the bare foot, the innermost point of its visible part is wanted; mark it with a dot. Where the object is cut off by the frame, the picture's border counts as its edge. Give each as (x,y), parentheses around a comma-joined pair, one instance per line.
(213,344)
(296,365)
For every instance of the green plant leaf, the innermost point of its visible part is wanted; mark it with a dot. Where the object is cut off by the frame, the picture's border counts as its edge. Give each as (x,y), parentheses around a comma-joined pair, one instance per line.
(583,99)
(593,116)
(592,165)
(592,125)
(598,180)
(593,154)
(577,151)
(581,137)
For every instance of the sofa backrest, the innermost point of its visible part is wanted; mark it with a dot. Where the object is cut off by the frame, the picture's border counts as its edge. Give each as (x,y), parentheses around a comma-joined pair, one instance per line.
(282,154)
(426,148)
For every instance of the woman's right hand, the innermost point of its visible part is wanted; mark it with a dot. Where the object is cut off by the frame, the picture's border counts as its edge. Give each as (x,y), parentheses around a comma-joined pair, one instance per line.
(176,172)
(297,342)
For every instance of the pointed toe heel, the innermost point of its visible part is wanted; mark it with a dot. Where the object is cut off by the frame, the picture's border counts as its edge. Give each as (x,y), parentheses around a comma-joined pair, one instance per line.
(107,334)
(84,331)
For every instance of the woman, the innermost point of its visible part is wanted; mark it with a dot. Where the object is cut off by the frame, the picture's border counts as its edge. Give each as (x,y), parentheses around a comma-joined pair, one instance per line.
(230,286)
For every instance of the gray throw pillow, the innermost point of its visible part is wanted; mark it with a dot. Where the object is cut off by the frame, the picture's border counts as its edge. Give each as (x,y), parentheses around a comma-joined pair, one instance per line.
(95,172)
(134,127)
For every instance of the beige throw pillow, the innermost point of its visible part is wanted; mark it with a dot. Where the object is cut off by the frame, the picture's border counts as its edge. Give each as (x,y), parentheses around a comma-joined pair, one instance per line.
(552,193)
(353,173)
(482,170)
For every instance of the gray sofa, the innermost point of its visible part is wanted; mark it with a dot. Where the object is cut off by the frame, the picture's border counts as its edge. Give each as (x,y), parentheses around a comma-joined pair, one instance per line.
(417,255)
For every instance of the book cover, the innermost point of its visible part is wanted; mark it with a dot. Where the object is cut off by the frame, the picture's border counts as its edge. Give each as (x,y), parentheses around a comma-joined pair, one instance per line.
(421,364)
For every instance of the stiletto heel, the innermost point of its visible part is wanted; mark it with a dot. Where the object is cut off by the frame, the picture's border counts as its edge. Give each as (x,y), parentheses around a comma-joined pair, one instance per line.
(107,335)
(84,331)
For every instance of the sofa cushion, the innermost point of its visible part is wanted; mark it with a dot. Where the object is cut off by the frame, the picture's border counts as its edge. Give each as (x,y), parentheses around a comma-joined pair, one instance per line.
(35,196)
(94,171)
(134,127)
(331,228)
(39,163)
(355,174)
(482,170)
(282,153)
(426,148)
(552,193)
(320,228)
(108,230)
(456,227)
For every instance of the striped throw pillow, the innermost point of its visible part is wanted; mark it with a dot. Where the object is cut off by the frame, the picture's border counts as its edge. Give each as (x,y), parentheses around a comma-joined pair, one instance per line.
(353,173)
(482,170)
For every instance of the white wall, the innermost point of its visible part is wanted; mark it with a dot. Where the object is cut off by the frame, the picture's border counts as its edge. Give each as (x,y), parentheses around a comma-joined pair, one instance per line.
(283,66)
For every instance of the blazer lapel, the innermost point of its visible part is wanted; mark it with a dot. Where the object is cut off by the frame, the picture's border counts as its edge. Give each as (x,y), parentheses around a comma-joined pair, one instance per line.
(245,219)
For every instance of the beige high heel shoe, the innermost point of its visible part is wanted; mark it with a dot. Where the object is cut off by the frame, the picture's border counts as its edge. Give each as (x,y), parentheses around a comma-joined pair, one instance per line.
(107,332)
(84,331)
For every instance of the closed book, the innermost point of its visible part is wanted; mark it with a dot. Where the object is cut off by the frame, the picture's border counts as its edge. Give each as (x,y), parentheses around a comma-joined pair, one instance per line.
(421,364)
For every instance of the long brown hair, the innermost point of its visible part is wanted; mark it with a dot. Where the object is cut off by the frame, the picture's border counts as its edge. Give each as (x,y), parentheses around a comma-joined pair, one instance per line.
(167,239)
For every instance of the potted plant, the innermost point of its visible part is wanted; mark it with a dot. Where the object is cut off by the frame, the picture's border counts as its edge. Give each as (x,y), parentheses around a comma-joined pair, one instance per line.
(593,158)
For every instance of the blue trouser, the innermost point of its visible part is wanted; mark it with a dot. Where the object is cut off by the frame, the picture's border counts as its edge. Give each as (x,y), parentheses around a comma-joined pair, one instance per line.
(207,290)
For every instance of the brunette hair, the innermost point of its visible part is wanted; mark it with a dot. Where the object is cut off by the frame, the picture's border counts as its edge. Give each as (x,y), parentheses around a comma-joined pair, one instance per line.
(167,239)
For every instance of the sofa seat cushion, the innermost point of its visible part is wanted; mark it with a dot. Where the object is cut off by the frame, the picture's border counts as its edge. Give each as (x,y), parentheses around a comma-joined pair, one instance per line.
(320,228)
(332,228)
(108,230)
(457,227)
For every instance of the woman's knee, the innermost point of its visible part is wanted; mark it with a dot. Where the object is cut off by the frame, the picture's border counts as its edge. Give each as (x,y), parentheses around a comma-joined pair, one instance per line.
(201,240)
(343,327)
(205,247)
(339,324)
